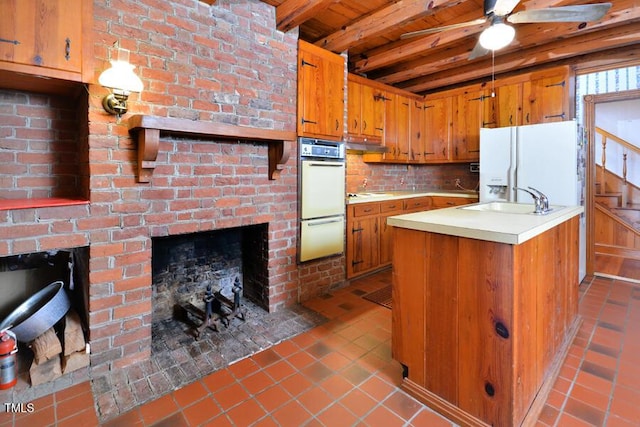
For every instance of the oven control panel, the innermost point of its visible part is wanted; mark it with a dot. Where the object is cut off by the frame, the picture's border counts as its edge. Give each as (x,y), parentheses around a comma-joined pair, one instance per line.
(310,147)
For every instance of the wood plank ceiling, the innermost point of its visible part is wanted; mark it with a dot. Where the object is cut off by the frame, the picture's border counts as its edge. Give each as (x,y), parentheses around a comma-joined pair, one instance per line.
(370,30)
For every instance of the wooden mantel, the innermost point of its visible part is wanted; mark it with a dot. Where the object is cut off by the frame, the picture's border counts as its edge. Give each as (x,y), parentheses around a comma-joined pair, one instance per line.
(147,130)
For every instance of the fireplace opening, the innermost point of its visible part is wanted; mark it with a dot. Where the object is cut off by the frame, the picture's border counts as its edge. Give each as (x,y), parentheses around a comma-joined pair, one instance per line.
(52,354)
(186,267)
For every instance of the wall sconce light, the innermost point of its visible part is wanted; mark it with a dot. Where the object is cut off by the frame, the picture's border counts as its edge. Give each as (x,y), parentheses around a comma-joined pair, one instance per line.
(121,79)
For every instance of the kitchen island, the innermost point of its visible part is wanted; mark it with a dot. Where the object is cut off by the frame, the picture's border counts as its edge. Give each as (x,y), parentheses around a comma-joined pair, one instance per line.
(485,301)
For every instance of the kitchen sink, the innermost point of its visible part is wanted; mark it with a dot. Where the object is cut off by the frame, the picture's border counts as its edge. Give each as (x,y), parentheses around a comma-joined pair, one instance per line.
(504,207)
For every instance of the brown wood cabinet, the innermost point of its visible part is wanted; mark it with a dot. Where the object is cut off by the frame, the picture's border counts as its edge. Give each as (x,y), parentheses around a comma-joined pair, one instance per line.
(320,92)
(48,39)
(365,111)
(546,97)
(369,238)
(484,325)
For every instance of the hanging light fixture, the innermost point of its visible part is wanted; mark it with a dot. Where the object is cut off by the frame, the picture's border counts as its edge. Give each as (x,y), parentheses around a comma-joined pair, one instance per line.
(498,35)
(122,81)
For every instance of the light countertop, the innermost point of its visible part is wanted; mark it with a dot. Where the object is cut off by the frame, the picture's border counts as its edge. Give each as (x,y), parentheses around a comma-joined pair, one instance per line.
(381,196)
(502,227)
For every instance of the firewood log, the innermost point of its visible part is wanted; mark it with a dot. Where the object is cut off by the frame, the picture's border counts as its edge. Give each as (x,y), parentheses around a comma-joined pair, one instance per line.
(46,346)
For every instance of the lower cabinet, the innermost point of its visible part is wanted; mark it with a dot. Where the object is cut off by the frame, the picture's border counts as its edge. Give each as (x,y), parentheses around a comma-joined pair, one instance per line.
(369,242)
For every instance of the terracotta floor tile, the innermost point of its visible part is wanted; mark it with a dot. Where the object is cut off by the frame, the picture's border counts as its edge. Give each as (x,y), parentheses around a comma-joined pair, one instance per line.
(85,417)
(585,412)
(40,418)
(318,350)
(377,388)
(300,360)
(230,396)
(291,414)
(131,418)
(568,420)
(265,422)
(274,397)
(175,420)
(315,400)
(218,380)
(317,372)
(626,394)
(255,383)
(358,402)
(286,348)
(202,411)
(355,374)
(383,417)
(335,361)
(158,409)
(266,357)
(594,382)
(336,415)
(402,405)
(279,370)
(591,397)
(427,417)
(626,410)
(303,340)
(190,394)
(296,384)
(246,413)
(74,391)
(336,385)
(244,368)
(615,421)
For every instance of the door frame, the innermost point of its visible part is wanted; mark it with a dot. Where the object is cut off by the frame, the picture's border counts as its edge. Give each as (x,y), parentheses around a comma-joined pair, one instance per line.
(589,102)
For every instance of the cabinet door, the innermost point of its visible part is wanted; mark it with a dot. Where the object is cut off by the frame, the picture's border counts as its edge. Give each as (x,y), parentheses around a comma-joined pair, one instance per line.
(387,209)
(403,108)
(416,128)
(546,99)
(391,127)
(509,105)
(320,92)
(363,245)
(437,129)
(43,33)
(354,101)
(468,112)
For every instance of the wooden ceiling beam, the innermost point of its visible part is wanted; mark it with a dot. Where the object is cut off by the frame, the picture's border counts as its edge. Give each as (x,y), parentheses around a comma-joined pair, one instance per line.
(292,13)
(384,56)
(527,35)
(584,44)
(381,21)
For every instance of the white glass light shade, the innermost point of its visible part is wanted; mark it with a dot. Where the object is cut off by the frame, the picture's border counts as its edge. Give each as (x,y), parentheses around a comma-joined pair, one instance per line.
(121,77)
(497,36)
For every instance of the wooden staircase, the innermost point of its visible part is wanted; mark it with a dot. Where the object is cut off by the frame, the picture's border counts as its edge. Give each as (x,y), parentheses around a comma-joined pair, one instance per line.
(617,212)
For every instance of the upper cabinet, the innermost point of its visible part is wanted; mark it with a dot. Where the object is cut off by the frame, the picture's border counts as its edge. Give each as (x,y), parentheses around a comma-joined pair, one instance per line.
(366,111)
(320,92)
(45,38)
(546,97)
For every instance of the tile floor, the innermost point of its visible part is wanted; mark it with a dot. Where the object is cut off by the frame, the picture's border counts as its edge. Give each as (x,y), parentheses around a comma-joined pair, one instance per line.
(341,374)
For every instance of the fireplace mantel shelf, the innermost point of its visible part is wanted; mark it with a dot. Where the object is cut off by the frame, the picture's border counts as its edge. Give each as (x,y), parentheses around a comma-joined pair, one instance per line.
(147,130)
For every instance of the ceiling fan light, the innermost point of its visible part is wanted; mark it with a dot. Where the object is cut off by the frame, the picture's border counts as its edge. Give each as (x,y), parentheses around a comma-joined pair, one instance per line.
(497,36)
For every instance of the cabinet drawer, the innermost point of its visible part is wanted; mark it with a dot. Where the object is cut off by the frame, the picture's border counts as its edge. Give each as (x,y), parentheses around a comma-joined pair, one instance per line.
(417,203)
(447,202)
(391,206)
(366,209)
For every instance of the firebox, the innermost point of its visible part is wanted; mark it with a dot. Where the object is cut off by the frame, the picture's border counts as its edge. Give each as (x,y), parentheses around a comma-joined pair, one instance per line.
(185,266)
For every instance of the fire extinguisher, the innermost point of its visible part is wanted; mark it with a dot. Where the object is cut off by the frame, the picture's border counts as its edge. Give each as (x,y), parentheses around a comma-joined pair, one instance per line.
(8,350)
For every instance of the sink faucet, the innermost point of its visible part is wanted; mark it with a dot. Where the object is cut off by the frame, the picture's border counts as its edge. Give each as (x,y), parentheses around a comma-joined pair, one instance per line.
(541,201)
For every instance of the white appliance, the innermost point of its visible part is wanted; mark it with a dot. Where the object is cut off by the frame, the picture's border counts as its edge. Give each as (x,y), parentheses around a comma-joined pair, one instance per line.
(547,157)
(321,172)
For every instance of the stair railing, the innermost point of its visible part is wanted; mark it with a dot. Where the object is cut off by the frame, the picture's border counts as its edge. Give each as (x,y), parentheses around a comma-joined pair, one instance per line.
(619,169)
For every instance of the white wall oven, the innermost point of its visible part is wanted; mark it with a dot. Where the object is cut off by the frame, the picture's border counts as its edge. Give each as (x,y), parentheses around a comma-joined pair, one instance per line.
(321,194)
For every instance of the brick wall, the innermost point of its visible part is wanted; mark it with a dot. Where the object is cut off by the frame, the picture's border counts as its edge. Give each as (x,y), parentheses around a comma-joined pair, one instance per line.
(222,63)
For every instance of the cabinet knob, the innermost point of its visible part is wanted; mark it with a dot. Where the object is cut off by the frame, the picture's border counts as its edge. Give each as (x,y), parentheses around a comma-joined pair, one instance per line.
(489,389)
(502,330)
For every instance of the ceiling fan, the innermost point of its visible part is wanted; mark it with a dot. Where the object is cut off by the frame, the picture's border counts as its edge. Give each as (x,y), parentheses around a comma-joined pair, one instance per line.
(499,34)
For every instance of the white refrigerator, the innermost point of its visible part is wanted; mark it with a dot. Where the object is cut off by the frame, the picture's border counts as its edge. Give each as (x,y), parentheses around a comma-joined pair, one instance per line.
(548,157)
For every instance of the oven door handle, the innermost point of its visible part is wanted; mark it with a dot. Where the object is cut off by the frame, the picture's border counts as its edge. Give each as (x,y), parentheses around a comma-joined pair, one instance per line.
(326,165)
(323,222)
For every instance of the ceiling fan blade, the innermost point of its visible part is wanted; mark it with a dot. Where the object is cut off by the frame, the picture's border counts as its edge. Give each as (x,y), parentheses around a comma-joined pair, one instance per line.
(444,28)
(579,13)
(500,7)
(478,51)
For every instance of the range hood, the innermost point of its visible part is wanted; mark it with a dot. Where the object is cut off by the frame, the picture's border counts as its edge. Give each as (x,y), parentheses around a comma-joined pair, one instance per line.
(365,148)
